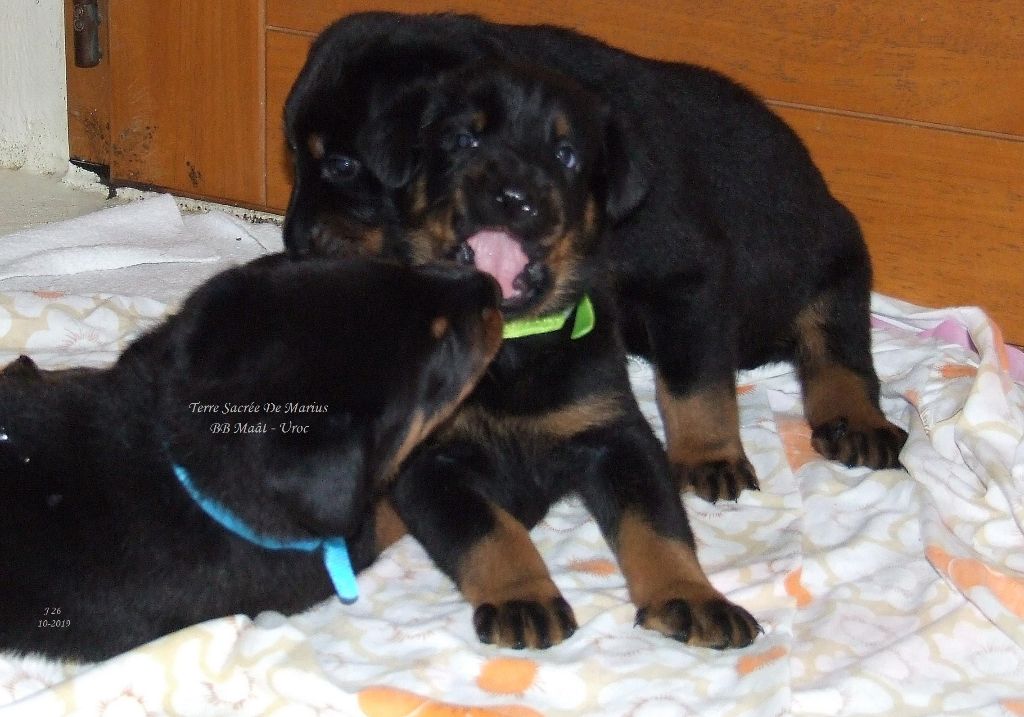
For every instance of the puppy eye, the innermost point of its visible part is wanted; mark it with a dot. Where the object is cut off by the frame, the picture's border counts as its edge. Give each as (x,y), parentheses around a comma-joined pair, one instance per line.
(567,156)
(339,167)
(466,140)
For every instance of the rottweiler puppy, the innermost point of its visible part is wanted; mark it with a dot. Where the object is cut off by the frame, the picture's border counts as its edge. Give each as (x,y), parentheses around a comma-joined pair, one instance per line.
(517,171)
(218,465)
(736,253)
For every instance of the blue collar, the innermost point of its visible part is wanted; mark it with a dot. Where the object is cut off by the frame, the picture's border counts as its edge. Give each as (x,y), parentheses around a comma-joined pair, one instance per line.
(336,559)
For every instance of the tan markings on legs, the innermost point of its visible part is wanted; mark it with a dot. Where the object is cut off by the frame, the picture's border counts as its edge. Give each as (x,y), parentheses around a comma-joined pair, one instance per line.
(515,602)
(657,568)
(846,425)
(672,593)
(830,389)
(504,566)
(388,527)
(702,427)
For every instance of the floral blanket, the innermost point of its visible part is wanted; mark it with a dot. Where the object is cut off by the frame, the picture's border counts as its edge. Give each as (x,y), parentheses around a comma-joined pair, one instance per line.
(881,592)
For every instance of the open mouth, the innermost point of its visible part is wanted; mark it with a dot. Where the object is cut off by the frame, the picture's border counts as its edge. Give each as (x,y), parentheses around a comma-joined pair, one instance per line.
(499,253)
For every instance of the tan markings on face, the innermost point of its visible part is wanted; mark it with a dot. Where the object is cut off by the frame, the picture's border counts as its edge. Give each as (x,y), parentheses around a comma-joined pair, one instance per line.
(419,197)
(590,213)
(413,435)
(434,237)
(335,236)
(504,565)
(555,426)
(388,527)
(565,248)
(488,341)
(657,568)
(702,427)
(439,326)
(315,144)
(373,241)
(562,126)
(479,122)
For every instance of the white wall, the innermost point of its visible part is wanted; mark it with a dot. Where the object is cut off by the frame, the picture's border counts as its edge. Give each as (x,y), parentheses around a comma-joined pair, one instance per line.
(33,86)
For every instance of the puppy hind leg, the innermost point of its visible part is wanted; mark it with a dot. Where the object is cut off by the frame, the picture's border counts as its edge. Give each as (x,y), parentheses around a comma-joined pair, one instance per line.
(694,356)
(840,386)
(703,440)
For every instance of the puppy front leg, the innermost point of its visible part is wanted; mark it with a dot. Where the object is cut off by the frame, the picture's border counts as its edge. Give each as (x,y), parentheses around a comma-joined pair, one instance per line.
(485,551)
(628,490)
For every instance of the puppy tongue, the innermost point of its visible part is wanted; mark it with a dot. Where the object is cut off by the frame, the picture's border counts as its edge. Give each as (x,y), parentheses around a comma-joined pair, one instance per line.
(498,254)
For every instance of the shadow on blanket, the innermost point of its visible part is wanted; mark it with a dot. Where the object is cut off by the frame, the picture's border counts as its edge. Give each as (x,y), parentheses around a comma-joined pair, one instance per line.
(230,454)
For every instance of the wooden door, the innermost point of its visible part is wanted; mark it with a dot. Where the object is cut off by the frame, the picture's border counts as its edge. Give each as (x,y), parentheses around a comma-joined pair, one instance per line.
(913,110)
(177,100)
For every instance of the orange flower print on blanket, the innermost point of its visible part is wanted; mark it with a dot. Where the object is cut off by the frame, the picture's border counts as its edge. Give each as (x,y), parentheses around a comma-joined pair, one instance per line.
(796,440)
(1014,707)
(392,702)
(796,589)
(507,676)
(750,663)
(596,566)
(957,370)
(967,573)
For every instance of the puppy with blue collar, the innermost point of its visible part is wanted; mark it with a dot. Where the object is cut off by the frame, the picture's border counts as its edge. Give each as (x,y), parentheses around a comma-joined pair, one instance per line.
(230,460)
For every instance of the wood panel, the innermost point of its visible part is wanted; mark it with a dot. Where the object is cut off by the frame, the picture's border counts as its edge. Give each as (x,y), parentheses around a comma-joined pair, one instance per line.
(286,53)
(950,63)
(187,97)
(942,212)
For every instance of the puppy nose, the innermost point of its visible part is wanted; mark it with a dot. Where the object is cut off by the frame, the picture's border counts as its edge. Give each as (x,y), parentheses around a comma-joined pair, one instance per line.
(516,201)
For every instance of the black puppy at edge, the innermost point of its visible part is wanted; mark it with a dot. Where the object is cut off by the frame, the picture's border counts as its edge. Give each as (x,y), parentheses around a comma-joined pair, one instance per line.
(101,547)
(516,171)
(736,256)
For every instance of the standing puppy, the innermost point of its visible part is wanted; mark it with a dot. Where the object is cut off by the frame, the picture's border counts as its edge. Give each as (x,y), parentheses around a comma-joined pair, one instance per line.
(736,256)
(517,171)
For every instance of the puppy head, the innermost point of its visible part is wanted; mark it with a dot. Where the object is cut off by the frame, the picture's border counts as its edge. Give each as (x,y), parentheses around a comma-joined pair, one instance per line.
(360,72)
(517,171)
(338,369)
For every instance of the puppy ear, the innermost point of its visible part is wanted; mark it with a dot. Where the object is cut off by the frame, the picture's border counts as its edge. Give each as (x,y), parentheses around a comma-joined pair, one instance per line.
(626,169)
(390,145)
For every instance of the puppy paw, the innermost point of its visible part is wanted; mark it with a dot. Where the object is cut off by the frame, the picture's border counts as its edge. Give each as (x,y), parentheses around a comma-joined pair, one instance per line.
(715,623)
(873,446)
(717,480)
(525,623)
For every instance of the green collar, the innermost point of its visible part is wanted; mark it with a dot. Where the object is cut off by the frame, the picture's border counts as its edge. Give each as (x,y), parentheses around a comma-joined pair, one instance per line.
(583,325)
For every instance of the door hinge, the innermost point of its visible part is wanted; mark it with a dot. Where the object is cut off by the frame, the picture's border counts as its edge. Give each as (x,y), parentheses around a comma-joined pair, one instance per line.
(87,33)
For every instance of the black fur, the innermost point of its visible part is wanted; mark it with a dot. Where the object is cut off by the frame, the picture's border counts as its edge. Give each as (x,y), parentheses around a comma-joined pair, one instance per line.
(101,549)
(736,253)
(529,154)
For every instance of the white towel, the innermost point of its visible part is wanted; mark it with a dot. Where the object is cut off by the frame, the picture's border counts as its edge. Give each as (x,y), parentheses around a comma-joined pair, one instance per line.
(143,248)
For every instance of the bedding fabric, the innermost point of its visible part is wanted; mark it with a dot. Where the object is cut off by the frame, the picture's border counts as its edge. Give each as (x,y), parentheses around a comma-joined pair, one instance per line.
(881,592)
